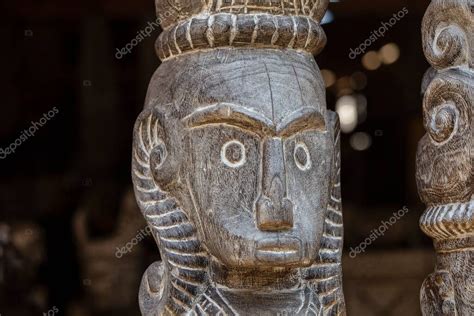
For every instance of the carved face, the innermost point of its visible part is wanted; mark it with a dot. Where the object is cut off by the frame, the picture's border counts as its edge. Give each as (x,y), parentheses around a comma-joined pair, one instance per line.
(259,188)
(255,158)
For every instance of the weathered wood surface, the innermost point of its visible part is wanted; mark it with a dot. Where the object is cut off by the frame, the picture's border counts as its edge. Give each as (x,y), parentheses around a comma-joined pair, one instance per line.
(445,160)
(236,164)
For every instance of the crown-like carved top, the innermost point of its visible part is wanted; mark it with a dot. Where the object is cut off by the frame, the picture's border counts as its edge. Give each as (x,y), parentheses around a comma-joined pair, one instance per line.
(192,25)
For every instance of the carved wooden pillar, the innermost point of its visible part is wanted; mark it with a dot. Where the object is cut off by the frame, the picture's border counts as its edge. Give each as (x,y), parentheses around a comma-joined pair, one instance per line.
(445,159)
(236,163)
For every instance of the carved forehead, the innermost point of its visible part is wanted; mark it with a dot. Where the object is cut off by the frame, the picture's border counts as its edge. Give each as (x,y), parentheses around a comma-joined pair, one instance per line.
(272,85)
(269,86)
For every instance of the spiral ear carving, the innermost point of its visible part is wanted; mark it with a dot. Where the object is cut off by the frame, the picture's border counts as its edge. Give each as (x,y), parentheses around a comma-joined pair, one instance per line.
(146,137)
(448,29)
(152,156)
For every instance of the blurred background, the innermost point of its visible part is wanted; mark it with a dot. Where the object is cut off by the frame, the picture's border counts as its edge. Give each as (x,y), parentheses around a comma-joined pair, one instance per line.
(72,241)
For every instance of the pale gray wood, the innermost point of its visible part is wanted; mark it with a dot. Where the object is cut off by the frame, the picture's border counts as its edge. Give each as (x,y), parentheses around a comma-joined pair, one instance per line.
(236,165)
(445,159)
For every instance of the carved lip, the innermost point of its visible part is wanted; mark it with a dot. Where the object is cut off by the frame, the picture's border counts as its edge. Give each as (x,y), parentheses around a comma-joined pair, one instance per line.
(278,250)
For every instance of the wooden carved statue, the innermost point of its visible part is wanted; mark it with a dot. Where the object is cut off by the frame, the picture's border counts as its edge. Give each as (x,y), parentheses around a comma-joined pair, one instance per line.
(445,160)
(236,163)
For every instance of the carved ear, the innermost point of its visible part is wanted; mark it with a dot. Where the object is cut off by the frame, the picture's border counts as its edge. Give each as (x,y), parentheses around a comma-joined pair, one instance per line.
(162,164)
(153,152)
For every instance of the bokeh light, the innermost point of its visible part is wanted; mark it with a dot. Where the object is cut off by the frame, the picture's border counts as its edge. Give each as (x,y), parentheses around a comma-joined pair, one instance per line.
(329,77)
(360,141)
(346,107)
(371,60)
(389,53)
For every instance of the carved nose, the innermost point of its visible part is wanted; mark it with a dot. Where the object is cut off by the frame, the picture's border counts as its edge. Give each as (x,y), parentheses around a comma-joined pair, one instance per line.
(274,209)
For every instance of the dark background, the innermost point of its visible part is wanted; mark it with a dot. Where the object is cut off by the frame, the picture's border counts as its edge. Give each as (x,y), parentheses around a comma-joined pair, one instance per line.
(62,54)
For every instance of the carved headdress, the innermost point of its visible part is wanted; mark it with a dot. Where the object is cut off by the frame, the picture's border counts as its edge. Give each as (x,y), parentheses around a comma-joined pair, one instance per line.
(197,25)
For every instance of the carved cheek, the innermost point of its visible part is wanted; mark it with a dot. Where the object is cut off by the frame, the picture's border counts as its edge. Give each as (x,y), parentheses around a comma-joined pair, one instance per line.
(221,157)
(308,169)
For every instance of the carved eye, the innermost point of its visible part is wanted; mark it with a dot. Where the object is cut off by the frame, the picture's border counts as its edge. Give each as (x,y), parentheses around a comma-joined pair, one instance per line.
(233,154)
(302,157)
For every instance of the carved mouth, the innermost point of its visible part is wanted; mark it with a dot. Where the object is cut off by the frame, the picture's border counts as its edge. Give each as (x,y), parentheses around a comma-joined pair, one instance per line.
(278,250)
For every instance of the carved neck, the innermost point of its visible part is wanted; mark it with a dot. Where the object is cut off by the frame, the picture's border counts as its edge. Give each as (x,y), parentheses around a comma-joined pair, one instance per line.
(454,245)
(288,302)
(275,279)
(277,291)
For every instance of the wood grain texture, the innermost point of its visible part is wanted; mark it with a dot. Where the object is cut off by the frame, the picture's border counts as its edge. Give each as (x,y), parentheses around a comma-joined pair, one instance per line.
(445,159)
(236,165)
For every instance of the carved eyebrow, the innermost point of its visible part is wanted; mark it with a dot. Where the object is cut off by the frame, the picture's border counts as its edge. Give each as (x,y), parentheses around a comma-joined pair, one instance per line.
(298,121)
(231,114)
(304,119)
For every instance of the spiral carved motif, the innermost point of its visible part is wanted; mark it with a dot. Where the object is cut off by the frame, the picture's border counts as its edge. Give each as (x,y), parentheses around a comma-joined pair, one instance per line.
(446,107)
(443,123)
(448,33)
